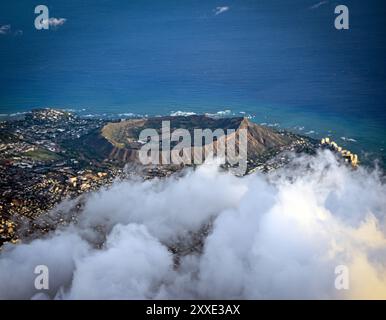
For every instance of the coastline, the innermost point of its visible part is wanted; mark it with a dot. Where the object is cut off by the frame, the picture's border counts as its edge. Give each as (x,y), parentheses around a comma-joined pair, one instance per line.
(354,134)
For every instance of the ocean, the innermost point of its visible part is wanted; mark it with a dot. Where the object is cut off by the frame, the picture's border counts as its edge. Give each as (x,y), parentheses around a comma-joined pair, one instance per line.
(281,63)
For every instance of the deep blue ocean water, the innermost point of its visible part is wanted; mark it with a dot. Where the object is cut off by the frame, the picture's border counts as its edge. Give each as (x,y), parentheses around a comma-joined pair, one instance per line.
(282,62)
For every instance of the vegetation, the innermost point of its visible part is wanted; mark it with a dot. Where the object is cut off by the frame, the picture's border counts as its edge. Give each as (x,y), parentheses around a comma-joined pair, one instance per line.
(42,155)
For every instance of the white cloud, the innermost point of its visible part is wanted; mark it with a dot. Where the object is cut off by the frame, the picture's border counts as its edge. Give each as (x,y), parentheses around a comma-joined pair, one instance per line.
(5,29)
(317,5)
(278,235)
(54,22)
(220,10)
(135,277)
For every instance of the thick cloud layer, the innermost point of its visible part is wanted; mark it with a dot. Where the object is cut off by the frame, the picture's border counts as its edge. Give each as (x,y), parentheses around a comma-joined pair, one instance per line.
(279,235)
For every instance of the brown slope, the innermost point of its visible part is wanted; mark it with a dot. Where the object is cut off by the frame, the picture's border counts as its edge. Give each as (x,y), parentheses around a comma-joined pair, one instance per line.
(121,138)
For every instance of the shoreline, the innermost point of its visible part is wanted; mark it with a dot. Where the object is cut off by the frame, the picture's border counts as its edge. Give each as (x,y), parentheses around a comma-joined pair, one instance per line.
(369,147)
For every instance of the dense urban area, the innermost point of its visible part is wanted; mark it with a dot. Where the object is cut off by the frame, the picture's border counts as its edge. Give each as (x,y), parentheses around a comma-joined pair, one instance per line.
(45,158)
(38,168)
